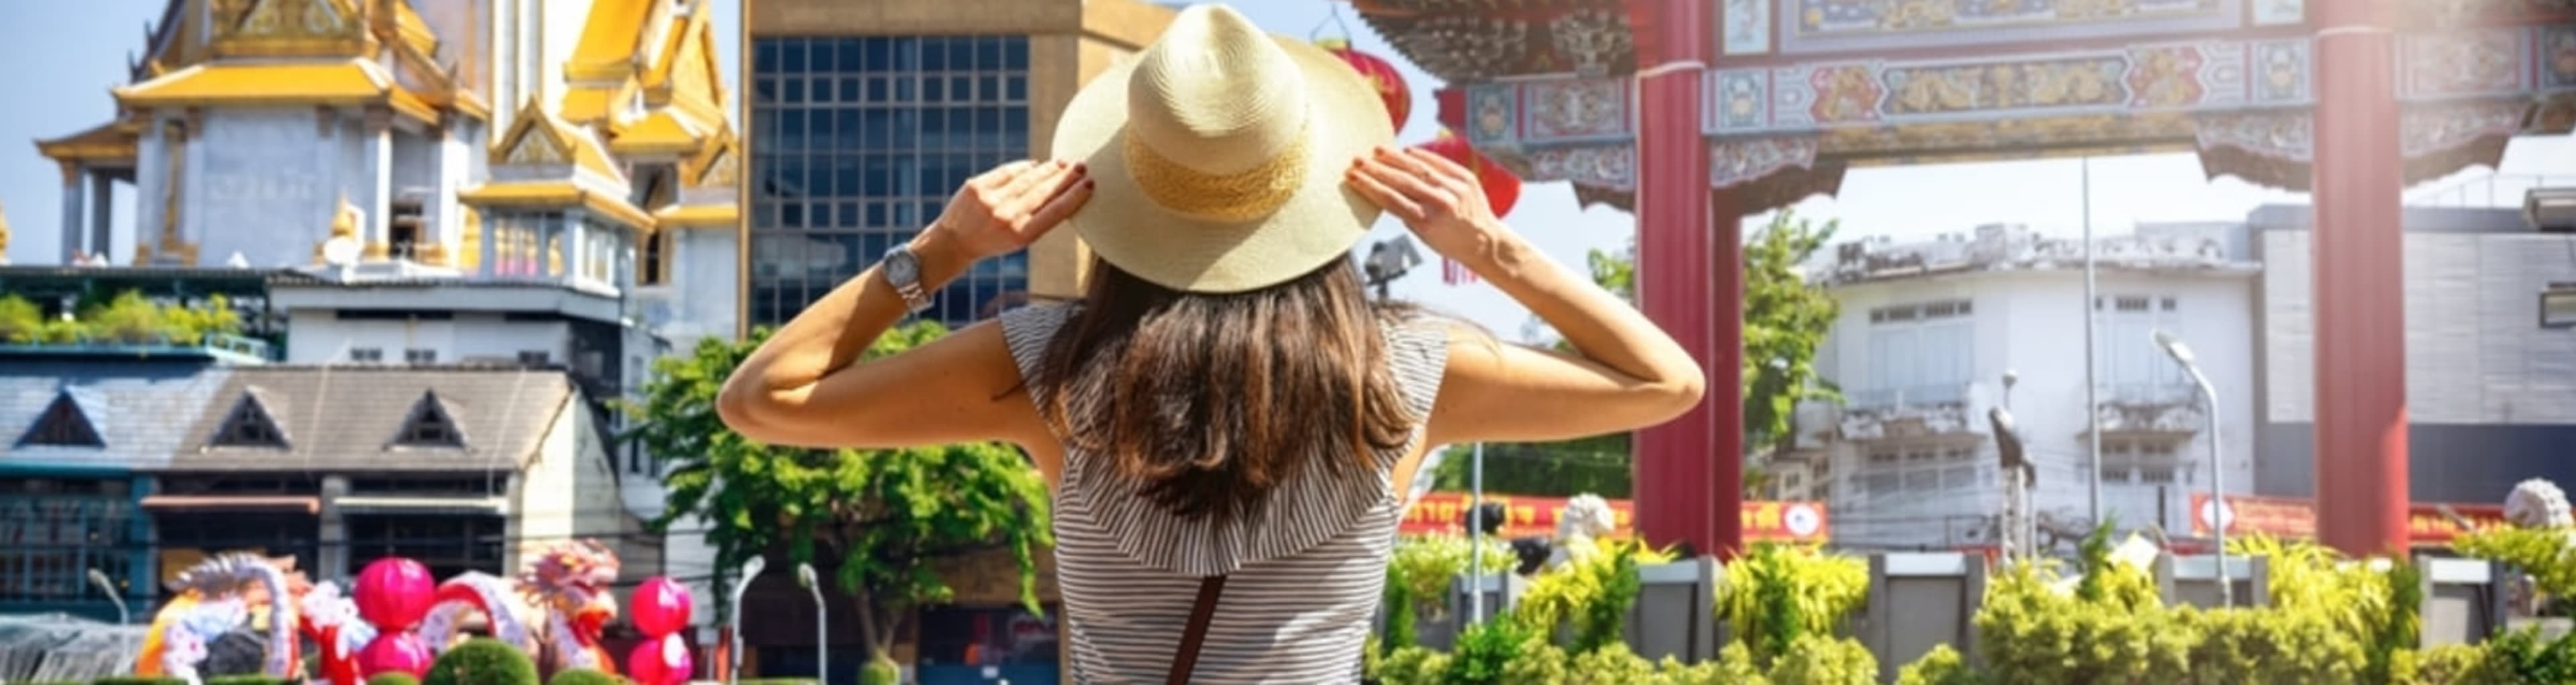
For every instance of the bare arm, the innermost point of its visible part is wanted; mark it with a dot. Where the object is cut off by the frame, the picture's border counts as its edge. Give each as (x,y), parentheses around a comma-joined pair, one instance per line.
(1630,374)
(807,386)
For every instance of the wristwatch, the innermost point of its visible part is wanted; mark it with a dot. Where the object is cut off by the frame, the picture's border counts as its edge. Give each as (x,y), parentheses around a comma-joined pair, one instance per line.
(903,271)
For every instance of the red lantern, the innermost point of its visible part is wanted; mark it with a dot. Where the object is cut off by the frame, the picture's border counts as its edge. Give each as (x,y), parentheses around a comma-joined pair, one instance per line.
(664,661)
(1502,188)
(1389,82)
(661,607)
(394,652)
(393,594)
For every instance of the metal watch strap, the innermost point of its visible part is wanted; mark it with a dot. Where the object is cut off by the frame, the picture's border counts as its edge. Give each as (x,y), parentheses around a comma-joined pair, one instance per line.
(905,277)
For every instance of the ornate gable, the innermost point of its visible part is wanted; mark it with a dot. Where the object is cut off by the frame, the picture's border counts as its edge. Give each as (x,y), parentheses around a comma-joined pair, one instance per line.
(296,28)
(533,140)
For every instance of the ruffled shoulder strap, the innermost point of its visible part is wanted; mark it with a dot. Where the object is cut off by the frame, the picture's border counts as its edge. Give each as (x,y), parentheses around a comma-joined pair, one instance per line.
(1315,506)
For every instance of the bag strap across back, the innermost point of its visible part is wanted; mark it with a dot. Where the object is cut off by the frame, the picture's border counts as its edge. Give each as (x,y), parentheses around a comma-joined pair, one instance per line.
(1186,658)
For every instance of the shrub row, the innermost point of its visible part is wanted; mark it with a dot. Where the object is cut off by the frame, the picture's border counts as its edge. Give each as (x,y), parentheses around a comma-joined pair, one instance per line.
(2332,620)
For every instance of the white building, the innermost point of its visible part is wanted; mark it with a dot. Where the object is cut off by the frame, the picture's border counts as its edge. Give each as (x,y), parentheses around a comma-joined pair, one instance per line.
(1928,332)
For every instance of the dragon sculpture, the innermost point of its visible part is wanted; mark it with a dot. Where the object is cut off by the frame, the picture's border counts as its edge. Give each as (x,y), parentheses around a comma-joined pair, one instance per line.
(217,596)
(570,585)
(566,586)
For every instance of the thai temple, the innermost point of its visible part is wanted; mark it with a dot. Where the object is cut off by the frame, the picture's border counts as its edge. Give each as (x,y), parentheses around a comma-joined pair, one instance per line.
(569,142)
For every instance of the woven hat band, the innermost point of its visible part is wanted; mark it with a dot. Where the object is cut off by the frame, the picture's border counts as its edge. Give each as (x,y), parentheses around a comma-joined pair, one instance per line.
(1240,196)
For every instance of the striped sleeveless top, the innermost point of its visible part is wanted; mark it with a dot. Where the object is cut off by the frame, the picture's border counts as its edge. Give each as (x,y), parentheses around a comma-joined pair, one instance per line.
(1304,572)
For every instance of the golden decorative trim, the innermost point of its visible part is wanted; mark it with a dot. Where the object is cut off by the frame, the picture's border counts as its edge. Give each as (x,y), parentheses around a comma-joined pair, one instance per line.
(377,251)
(174,142)
(71,172)
(470,243)
(296,28)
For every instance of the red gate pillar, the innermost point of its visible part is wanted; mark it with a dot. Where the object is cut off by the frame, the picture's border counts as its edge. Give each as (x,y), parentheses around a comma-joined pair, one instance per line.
(1689,471)
(2360,299)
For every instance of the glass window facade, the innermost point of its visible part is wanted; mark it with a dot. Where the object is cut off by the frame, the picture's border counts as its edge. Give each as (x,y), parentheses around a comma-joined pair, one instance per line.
(858,142)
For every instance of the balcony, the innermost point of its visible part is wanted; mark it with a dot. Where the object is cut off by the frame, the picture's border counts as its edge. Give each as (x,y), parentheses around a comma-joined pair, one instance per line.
(2151,412)
(1907,413)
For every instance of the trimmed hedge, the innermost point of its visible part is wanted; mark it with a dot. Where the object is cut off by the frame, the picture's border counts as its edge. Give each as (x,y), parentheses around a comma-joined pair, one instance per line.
(393,678)
(586,676)
(248,680)
(482,661)
(137,680)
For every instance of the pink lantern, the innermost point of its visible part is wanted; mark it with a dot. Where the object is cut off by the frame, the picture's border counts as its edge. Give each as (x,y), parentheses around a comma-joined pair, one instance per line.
(663,661)
(661,606)
(394,593)
(391,652)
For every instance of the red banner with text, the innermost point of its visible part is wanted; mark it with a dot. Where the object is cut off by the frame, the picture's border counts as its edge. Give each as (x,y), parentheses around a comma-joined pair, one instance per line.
(1443,512)
(2295,517)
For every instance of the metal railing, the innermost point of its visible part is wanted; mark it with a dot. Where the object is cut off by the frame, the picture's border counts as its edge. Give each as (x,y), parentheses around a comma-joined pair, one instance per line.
(1909,396)
(2490,191)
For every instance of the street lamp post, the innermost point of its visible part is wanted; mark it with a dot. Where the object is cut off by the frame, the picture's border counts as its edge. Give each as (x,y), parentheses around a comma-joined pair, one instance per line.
(822,639)
(2182,356)
(750,569)
(1388,260)
(104,586)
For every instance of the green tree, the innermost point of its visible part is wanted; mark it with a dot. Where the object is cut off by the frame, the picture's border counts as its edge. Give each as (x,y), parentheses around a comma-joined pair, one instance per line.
(21,321)
(883,516)
(1785,319)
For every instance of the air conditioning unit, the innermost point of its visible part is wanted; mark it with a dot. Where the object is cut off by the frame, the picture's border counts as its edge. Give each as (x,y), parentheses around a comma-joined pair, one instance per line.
(2558,306)
(2551,209)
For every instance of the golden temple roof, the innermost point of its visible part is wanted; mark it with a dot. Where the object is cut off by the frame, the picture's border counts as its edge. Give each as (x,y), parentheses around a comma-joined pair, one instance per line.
(352,82)
(115,140)
(557,194)
(698,216)
(397,20)
(686,76)
(662,132)
(611,42)
(539,138)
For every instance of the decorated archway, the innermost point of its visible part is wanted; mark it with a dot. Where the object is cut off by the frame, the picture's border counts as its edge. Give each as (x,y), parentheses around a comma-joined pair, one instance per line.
(1693,113)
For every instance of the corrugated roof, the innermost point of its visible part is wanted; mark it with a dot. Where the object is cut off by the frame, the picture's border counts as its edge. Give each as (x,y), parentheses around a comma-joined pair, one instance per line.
(345,418)
(138,408)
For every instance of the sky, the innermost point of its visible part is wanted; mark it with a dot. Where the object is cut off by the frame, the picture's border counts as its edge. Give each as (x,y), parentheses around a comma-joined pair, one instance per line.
(62,56)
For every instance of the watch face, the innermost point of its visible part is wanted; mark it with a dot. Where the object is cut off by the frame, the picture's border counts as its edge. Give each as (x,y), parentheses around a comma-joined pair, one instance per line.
(900,267)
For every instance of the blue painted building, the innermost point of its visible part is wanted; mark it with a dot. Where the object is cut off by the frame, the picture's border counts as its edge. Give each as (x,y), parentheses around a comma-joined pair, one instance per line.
(83,434)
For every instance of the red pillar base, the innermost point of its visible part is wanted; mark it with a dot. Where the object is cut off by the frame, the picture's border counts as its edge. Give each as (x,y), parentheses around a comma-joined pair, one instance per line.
(2360,301)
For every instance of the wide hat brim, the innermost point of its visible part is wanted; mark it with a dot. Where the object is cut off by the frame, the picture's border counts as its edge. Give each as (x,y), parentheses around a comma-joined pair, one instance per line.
(1319,223)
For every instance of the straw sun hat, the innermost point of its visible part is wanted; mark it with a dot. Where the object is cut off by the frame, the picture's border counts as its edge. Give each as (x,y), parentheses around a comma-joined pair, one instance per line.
(1217,156)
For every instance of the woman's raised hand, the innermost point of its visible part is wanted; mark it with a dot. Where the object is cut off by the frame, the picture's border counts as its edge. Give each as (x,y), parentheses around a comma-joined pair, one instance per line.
(1014,204)
(1438,199)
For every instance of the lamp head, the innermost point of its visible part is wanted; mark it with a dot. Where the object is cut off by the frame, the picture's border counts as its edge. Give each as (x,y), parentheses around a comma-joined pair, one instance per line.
(753,567)
(805,574)
(2174,346)
(2011,377)
(96,576)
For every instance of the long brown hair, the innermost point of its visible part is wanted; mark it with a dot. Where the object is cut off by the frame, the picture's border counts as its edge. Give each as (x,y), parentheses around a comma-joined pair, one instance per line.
(1214,399)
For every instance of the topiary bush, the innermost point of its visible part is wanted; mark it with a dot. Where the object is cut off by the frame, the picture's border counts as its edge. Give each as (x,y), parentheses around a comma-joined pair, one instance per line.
(880,670)
(482,661)
(1779,592)
(2448,665)
(585,676)
(137,680)
(393,678)
(1941,666)
(248,680)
